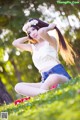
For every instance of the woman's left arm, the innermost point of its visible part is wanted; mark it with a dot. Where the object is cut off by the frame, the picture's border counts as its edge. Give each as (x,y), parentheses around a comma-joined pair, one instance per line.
(43,32)
(50,27)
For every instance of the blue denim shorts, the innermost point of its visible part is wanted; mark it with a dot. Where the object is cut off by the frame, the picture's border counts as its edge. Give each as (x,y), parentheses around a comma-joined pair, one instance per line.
(58,69)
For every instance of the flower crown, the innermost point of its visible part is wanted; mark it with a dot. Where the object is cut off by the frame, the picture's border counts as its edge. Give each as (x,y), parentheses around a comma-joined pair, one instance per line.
(29,24)
(33,22)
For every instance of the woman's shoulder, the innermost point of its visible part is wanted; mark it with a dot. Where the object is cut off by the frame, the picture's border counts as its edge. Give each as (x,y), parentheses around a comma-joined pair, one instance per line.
(52,44)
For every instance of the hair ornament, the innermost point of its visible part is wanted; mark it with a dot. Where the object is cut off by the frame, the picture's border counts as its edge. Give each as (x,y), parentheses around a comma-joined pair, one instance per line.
(33,22)
(29,24)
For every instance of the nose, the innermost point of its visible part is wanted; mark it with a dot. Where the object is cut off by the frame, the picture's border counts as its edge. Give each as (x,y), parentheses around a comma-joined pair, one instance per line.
(33,34)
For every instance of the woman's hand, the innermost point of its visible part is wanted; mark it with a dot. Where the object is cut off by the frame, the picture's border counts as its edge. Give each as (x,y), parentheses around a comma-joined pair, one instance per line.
(51,26)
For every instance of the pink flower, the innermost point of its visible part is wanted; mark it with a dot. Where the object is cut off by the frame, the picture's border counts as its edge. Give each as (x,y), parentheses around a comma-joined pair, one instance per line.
(16,102)
(53,87)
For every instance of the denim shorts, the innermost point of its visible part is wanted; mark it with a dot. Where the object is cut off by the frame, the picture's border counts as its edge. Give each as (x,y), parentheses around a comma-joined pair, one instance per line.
(58,69)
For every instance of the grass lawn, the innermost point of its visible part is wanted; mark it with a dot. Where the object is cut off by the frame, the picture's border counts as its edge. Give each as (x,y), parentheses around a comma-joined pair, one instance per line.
(62,103)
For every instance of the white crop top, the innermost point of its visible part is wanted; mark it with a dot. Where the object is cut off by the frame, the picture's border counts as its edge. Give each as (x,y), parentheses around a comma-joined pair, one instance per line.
(45,57)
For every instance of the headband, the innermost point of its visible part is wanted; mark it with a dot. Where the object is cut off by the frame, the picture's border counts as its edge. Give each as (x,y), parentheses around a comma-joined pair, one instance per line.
(29,24)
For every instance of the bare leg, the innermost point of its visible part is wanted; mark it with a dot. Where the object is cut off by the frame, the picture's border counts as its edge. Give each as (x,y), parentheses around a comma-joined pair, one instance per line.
(37,85)
(29,89)
(33,89)
(53,79)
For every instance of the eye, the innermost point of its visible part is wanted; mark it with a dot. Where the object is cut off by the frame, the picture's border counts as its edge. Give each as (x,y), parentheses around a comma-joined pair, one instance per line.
(29,32)
(33,28)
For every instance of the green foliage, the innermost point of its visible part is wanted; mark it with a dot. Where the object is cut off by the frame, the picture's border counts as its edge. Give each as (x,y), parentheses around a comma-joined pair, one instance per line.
(62,103)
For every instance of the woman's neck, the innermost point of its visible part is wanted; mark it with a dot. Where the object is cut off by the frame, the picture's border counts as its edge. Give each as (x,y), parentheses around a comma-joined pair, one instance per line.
(40,40)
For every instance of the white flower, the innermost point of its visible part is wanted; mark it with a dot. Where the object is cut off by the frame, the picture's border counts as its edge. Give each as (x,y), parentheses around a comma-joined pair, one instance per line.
(33,22)
(26,26)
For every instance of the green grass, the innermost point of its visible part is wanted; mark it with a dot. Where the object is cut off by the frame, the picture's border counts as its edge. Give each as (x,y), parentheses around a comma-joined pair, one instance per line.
(62,103)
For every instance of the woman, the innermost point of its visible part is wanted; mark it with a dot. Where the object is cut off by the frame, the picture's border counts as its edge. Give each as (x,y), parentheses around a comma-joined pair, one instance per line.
(44,49)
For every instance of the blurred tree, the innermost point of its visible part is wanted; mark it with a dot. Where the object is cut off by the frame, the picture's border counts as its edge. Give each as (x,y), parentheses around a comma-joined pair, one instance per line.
(4,95)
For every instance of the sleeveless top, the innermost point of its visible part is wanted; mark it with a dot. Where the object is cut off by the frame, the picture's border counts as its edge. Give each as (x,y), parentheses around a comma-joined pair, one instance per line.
(45,57)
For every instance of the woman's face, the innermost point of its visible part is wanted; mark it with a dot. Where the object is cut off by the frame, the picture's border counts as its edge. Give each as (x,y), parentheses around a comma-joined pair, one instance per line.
(33,33)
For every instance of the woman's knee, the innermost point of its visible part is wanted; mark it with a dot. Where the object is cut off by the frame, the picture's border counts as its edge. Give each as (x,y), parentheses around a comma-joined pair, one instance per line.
(18,87)
(59,78)
(54,77)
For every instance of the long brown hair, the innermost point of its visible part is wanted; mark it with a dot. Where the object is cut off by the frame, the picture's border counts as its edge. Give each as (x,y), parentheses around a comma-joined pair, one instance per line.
(65,48)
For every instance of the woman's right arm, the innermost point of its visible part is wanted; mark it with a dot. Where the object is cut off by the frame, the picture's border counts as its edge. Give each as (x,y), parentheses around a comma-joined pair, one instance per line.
(19,43)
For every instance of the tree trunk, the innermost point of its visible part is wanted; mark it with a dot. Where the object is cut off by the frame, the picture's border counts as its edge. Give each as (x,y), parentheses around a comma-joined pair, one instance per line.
(4,95)
(17,72)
